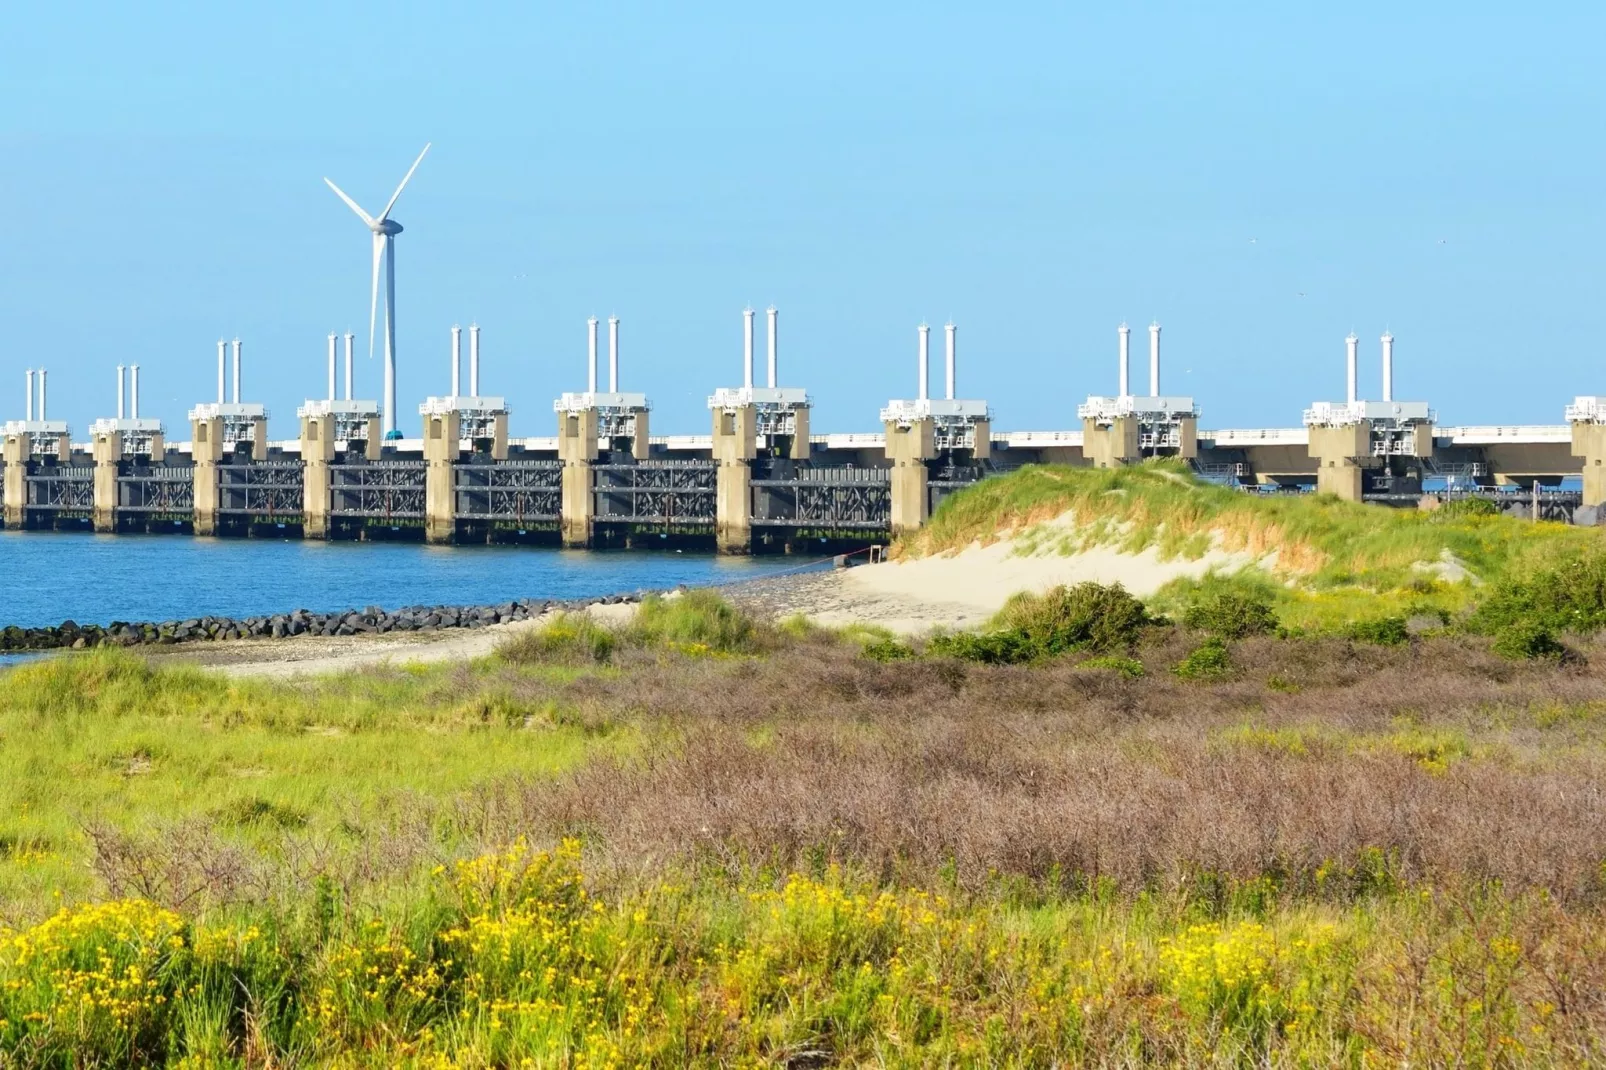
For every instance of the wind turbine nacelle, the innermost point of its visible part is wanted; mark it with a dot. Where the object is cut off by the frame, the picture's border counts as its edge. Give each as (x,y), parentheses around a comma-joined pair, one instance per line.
(388,226)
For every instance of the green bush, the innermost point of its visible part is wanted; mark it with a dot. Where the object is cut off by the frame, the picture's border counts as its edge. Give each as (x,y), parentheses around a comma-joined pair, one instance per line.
(1383,631)
(1461,508)
(887,649)
(1209,661)
(695,617)
(1232,614)
(1087,616)
(990,648)
(568,638)
(1131,668)
(1566,594)
(1526,640)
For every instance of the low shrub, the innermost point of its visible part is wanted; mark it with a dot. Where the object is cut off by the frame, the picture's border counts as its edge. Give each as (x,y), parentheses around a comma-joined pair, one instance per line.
(1232,614)
(1565,594)
(1131,668)
(990,648)
(1461,508)
(696,617)
(568,638)
(1208,661)
(887,649)
(1524,640)
(1382,631)
(1087,616)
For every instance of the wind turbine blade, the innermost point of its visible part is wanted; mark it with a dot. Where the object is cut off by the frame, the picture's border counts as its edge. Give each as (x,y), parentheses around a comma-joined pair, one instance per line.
(366,218)
(373,304)
(386,213)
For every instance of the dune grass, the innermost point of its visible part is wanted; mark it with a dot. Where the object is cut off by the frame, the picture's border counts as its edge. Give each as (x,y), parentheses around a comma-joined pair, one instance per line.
(1320,541)
(1325,563)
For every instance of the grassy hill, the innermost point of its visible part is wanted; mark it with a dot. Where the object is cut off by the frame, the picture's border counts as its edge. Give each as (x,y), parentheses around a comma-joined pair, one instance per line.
(1322,560)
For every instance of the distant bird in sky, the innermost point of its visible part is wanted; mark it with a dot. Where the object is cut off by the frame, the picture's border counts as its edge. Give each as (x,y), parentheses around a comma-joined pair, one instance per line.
(1444,241)
(1300,294)
(1253,240)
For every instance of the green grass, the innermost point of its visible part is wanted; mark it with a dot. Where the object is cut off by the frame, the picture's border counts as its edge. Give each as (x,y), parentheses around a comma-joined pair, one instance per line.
(104,736)
(1335,562)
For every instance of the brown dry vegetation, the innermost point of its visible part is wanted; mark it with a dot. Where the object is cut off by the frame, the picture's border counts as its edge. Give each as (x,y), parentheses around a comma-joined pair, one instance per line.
(1330,766)
(1451,763)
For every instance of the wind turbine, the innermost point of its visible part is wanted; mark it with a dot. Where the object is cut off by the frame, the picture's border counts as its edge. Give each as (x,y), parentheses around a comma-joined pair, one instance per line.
(384,230)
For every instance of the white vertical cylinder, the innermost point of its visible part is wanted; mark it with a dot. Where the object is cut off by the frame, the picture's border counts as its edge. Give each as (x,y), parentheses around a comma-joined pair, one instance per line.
(1124,333)
(925,361)
(613,354)
(29,399)
(591,350)
(457,356)
(119,391)
(236,371)
(222,361)
(1154,360)
(775,341)
(1388,366)
(474,360)
(42,410)
(331,365)
(349,339)
(133,392)
(1351,384)
(951,331)
(747,347)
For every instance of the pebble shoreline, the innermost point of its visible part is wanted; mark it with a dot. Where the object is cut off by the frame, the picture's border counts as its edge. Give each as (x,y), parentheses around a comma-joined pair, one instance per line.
(370,621)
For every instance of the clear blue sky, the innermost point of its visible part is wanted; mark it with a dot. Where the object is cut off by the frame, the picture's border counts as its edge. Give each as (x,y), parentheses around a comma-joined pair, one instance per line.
(1036,172)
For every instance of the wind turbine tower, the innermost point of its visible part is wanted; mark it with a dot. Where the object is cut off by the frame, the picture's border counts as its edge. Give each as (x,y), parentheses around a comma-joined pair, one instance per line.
(384,230)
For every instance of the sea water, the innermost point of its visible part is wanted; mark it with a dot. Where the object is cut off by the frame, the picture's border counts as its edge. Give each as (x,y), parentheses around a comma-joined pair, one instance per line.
(47,577)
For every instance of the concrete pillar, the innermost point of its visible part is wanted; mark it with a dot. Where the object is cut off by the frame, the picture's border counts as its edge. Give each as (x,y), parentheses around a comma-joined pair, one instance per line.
(800,436)
(1341,455)
(499,437)
(735,446)
(206,450)
(1188,429)
(317,450)
(1112,445)
(577,449)
(108,452)
(1589,443)
(374,444)
(18,451)
(983,449)
(641,445)
(909,448)
(442,438)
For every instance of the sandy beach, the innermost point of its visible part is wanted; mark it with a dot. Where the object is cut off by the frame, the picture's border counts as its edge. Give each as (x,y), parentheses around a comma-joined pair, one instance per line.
(954,590)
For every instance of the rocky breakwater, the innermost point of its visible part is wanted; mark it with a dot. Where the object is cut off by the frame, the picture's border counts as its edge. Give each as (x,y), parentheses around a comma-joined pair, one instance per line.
(370,621)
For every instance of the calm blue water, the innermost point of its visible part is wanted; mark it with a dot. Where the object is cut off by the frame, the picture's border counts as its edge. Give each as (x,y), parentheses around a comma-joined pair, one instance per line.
(46,577)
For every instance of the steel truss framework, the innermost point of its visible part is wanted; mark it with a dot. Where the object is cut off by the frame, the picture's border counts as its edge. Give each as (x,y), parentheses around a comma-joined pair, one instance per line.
(837,499)
(517,491)
(61,488)
(145,488)
(657,492)
(261,488)
(945,480)
(387,490)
